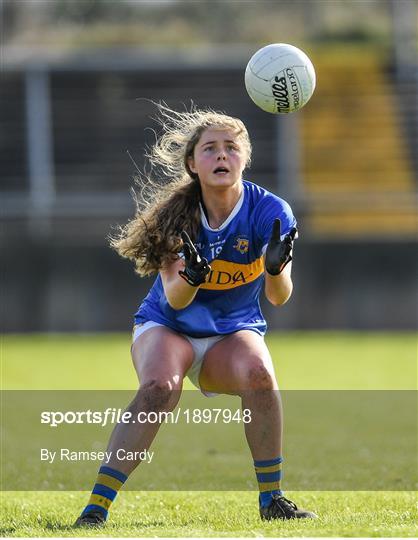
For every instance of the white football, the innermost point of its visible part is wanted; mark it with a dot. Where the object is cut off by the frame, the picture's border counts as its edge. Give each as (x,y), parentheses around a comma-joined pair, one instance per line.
(280,78)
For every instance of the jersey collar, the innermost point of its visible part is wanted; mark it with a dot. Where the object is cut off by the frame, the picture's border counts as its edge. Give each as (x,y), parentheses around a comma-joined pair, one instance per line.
(228,220)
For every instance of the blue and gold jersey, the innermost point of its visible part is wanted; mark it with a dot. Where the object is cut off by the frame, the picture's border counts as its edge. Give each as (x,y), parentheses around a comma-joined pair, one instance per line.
(229,300)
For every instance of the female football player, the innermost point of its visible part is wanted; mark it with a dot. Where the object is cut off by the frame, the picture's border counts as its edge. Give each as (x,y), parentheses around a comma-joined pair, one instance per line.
(215,240)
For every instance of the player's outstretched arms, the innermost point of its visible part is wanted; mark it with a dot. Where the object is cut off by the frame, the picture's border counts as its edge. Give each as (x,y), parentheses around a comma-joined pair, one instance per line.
(279,286)
(181,279)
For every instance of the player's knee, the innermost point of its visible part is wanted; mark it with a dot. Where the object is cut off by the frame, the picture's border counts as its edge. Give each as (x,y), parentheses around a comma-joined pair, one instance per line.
(157,395)
(258,377)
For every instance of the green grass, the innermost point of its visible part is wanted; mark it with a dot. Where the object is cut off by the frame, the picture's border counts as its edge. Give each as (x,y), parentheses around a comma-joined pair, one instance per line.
(205,514)
(303,360)
(306,360)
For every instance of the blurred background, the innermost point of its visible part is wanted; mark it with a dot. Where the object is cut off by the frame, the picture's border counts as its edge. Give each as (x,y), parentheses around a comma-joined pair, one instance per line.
(74,115)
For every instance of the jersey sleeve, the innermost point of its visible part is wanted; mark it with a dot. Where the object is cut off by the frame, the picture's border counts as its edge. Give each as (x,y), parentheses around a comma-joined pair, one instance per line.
(268,209)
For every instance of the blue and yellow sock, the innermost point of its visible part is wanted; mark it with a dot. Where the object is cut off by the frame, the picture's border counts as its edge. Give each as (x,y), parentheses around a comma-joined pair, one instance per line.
(269,475)
(108,483)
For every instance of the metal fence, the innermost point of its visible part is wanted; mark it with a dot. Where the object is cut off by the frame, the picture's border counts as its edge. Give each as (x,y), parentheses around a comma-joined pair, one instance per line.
(67,126)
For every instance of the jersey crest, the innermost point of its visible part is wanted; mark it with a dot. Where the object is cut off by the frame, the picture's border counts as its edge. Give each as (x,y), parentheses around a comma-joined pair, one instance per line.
(241,245)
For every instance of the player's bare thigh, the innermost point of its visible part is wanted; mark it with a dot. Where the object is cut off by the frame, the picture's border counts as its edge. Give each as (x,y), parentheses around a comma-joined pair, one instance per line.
(237,363)
(160,354)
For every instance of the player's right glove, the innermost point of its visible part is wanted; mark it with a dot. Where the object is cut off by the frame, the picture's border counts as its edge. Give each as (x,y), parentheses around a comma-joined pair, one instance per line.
(278,251)
(197,268)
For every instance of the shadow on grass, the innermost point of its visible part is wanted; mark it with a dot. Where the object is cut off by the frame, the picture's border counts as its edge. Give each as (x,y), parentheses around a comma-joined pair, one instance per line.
(107,527)
(56,527)
(5,531)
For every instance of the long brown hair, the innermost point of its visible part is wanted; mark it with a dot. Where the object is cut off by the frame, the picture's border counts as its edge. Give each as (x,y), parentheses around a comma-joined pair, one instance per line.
(169,195)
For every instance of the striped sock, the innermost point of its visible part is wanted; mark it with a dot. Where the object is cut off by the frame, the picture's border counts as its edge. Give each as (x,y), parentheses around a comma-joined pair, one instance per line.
(269,474)
(108,483)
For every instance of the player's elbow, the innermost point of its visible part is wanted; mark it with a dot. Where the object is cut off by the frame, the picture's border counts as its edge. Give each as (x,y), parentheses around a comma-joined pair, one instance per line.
(278,300)
(278,297)
(278,289)
(176,304)
(176,297)
(177,301)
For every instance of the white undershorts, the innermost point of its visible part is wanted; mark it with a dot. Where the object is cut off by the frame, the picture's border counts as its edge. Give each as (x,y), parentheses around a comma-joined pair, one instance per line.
(200,347)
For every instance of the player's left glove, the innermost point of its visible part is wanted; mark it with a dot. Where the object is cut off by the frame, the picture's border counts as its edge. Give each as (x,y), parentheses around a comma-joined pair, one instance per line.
(196,267)
(278,252)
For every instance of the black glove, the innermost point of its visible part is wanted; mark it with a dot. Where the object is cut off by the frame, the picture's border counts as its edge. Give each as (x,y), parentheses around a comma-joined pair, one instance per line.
(196,268)
(278,251)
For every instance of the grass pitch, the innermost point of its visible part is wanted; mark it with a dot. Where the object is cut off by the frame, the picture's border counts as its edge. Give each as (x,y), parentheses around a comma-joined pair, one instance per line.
(205,514)
(303,361)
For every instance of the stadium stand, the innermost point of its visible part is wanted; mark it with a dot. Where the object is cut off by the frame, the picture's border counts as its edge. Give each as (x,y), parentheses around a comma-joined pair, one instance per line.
(358,166)
(355,200)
